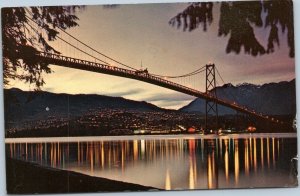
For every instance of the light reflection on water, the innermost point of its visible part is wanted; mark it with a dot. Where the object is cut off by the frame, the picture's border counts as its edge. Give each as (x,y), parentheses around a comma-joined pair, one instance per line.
(181,163)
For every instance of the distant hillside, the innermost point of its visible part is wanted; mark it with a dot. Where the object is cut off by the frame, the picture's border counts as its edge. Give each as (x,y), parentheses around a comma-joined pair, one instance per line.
(22,105)
(273,98)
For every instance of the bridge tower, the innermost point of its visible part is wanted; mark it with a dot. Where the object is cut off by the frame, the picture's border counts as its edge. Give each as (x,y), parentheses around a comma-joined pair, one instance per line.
(211,107)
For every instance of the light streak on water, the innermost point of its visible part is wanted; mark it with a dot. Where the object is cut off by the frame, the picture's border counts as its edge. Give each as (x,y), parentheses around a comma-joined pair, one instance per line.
(147,137)
(168,162)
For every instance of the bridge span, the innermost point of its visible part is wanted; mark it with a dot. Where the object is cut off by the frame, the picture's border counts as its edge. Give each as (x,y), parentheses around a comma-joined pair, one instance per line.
(60,60)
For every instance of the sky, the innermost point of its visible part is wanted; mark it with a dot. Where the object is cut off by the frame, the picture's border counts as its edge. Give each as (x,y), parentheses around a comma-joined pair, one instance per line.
(140,34)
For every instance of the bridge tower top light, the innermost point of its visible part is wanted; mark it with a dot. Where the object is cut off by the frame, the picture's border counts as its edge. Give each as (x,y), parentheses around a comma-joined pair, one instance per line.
(209,63)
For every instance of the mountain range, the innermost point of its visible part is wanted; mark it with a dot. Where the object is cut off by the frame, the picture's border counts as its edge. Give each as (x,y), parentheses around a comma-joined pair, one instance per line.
(272,98)
(26,105)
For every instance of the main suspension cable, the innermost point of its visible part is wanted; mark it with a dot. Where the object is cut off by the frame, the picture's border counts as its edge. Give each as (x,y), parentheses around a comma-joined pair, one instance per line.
(118,62)
(69,44)
(184,75)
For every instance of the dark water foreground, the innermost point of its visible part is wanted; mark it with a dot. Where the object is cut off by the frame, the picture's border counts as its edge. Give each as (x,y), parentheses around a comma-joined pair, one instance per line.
(168,162)
(30,178)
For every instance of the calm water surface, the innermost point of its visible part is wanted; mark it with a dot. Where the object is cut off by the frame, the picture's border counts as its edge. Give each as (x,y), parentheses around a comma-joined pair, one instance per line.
(170,162)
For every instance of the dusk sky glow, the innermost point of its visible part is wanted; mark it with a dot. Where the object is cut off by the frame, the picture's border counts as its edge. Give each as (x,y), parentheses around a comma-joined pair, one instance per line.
(135,33)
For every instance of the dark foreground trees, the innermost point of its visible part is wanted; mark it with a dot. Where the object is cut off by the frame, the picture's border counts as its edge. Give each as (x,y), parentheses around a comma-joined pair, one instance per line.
(26,31)
(238,20)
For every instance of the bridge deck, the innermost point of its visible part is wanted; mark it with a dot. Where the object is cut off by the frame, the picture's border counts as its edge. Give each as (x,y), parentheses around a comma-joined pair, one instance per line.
(70,62)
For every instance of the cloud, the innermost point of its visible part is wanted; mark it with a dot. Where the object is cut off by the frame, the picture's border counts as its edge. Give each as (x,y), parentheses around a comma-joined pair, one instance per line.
(170,100)
(272,70)
(49,89)
(126,93)
(171,105)
(170,97)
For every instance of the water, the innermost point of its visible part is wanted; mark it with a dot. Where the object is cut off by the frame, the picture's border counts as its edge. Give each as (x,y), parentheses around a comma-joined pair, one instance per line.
(170,162)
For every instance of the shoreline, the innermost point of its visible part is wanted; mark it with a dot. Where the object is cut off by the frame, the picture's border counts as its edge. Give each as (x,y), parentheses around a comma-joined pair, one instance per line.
(146,137)
(31,178)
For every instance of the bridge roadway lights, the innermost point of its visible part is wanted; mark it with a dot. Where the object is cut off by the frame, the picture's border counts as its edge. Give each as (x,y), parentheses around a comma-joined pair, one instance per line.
(211,105)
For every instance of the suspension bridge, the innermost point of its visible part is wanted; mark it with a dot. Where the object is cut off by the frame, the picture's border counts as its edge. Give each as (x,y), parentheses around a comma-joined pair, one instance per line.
(95,61)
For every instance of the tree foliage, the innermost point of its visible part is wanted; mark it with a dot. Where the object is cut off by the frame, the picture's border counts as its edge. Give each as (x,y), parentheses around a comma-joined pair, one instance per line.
(238,20)
(26,31)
